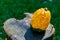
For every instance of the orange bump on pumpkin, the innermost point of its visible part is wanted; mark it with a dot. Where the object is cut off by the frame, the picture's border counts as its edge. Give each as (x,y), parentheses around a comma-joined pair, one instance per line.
(41,19)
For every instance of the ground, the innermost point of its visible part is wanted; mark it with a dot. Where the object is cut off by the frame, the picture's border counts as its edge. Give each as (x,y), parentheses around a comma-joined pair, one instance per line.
(17,8)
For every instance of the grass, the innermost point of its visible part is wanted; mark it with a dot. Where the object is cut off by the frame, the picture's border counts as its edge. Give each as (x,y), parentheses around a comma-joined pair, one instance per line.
(16,9)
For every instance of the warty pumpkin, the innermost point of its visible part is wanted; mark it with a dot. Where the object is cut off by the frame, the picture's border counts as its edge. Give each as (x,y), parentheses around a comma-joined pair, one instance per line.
(40,19)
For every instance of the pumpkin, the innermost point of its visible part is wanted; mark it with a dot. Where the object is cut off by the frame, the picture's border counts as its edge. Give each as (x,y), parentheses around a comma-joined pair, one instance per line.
(40,19)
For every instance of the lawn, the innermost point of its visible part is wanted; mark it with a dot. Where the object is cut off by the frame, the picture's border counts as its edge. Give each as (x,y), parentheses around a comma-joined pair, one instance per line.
(17,8)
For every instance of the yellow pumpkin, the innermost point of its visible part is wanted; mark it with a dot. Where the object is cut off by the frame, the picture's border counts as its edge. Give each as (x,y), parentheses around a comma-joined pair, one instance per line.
(40,19)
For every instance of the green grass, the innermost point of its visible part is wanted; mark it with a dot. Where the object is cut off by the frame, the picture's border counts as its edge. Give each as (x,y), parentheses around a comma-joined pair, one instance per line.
(16,9)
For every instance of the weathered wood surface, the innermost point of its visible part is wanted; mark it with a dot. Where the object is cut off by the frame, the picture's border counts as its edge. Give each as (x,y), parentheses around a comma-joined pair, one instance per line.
(20,30)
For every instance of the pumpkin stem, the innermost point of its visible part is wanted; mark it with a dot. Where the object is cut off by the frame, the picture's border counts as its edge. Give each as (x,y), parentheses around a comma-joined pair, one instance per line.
(46,9)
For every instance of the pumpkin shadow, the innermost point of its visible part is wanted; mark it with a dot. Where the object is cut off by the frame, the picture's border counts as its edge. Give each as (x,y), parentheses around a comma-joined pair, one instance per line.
(32,35)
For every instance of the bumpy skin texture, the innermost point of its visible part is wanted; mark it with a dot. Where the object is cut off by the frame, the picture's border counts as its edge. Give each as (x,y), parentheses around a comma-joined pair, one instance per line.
(41,19)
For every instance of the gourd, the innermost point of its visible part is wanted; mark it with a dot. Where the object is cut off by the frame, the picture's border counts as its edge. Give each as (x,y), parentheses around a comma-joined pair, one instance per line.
(40,19)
